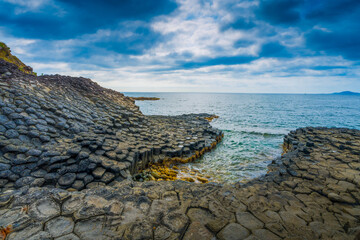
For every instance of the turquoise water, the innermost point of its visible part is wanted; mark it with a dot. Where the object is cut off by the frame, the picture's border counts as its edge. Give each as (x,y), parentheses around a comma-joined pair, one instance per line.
(254,124)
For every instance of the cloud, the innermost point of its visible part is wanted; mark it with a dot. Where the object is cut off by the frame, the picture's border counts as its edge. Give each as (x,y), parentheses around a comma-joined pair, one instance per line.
(274,49)
(331,10)
(127,38)
(219,61)
(190,45)
(280,11)
(240,23)
(336,30)
(335,43)
(64,19)
(27,5)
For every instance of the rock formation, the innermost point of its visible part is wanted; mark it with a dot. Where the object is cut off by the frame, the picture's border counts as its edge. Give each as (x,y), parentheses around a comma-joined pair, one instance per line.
(70,150)
(5,54)
(71,133)
(312,192)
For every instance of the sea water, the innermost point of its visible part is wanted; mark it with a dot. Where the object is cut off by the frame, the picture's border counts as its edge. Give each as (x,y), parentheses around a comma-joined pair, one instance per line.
(254,125)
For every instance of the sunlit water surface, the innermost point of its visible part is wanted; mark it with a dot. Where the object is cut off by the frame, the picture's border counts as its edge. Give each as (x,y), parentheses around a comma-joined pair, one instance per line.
(254,125)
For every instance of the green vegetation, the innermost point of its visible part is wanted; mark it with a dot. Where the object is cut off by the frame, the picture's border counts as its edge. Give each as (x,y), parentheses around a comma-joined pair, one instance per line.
(2,45)
(5,54)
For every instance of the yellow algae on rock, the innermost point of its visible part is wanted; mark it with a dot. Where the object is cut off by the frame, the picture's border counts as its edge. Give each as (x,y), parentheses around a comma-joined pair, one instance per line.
(209,119)
(203,180)
(169,168)
(155,174)
(187,179)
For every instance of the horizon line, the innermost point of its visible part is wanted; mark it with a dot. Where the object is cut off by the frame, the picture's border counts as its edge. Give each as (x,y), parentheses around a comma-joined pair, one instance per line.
(331,93)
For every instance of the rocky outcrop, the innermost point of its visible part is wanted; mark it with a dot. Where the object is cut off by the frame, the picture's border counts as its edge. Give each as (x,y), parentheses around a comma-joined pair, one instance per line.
(70,133)
(5,54)
(312,192)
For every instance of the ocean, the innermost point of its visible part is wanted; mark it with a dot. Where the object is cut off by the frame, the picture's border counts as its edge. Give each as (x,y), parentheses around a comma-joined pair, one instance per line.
(254,125)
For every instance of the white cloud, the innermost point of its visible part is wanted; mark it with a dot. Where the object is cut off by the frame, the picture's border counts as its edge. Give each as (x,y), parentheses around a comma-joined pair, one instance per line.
(261,76)
(192,33)
(195,29)
(28,5)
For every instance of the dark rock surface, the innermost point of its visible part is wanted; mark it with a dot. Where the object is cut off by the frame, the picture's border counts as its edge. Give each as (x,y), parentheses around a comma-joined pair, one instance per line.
(65,172)
(67,127)
(311,192)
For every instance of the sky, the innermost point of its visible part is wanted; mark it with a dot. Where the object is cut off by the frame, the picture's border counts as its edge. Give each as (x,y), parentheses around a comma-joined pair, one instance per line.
(259,46)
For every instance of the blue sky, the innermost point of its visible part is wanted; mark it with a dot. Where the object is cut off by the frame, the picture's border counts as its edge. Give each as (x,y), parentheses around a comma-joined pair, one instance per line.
(263,46)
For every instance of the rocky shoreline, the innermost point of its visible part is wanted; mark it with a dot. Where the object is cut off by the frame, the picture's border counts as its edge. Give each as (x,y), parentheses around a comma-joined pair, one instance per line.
(312,192)
(70,149)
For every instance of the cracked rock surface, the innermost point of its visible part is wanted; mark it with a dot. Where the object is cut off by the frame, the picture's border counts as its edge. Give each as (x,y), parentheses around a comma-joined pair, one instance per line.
(311,192)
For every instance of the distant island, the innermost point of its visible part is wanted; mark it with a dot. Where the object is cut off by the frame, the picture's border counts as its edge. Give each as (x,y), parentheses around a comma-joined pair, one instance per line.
(346,93)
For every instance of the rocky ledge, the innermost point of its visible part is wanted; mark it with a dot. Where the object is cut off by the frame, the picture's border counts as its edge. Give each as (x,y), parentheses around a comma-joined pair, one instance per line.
(70,150)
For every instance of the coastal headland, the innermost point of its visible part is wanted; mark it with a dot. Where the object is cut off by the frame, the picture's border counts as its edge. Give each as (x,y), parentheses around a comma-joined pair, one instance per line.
(78,161)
